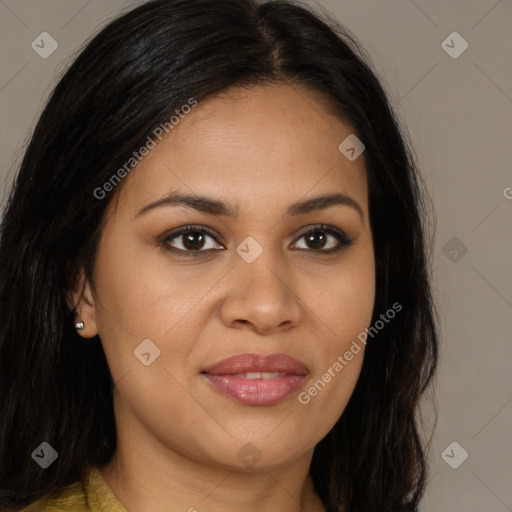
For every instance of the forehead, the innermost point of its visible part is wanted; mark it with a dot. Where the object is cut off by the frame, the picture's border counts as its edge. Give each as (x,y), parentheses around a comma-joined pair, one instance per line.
(272,143)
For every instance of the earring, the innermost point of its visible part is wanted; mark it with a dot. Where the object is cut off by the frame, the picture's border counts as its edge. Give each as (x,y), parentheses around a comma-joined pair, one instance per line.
(79,326)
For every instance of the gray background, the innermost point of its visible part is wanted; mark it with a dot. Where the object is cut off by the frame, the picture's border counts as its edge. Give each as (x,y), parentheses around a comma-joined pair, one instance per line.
(458,112)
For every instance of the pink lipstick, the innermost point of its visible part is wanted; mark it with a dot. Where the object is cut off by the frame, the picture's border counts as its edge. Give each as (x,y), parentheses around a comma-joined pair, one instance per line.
(254,379)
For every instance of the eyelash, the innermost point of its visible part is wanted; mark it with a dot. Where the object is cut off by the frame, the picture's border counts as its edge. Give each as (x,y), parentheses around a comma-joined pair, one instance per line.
(343,239)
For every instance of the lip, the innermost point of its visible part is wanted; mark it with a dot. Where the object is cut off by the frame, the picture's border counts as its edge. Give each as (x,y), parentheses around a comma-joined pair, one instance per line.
(226,376)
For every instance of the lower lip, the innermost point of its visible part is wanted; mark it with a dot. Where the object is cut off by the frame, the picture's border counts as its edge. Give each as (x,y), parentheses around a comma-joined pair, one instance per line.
(256,391)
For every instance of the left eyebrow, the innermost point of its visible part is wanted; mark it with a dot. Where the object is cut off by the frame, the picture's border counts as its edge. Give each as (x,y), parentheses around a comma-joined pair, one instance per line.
(219,208)
(322,203)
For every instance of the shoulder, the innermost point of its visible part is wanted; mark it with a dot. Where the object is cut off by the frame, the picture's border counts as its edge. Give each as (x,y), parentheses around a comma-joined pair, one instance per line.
(92,494)
(72,498)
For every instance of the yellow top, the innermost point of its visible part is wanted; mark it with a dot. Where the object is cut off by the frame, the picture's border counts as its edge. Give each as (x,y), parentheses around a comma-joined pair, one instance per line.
(96,496)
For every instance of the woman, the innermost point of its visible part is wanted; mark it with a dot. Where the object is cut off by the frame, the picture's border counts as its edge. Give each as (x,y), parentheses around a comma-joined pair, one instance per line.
(214,277)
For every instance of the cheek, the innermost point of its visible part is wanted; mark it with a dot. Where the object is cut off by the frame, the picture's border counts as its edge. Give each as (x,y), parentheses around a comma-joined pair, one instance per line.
(343,298)
(138,292)
(142,297)
(341,353)
(344,307)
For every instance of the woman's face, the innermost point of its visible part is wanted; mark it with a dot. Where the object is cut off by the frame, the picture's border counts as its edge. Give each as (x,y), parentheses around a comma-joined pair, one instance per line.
(169,308)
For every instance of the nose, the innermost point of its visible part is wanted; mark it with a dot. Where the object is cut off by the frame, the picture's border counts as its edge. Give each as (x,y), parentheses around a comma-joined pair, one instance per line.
(261,296)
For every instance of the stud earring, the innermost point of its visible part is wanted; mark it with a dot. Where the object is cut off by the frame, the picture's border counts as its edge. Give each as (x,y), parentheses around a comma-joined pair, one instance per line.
(79,326)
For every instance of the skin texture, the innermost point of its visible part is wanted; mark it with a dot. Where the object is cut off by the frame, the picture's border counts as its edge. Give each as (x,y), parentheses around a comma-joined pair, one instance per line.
(261,149)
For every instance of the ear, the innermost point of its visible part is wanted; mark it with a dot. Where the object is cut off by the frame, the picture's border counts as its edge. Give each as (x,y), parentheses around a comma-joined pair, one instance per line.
(81,301)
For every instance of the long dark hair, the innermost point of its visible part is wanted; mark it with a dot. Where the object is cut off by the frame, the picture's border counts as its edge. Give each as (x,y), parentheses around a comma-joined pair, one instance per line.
(131,77)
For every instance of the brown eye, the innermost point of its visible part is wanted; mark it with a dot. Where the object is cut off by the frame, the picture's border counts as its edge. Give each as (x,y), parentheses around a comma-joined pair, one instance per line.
(199,241)
(316,240)
(318,237)
(190,240)
(193,241)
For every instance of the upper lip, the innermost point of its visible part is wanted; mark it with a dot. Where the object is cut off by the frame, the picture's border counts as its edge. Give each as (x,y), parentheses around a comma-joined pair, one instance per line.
(243,363)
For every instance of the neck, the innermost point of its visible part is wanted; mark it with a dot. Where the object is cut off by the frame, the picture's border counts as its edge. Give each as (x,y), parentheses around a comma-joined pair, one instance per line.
(149,478)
